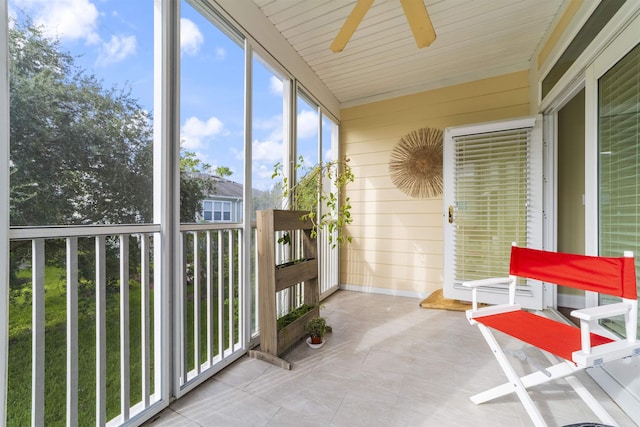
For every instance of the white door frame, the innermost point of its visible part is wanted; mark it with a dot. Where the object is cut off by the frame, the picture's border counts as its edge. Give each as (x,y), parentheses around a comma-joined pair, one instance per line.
(532,296)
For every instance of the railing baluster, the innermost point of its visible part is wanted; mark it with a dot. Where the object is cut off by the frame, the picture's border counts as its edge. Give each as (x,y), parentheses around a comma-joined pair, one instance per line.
(184,366)
(101,333)
(196,302)
(37,345)
(210,323)
(144,319)
(231,290)
(221,322)
(240,323)
(72,331)
(125,377)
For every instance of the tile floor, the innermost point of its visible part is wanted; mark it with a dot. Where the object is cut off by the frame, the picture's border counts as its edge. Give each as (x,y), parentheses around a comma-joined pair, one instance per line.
(387,362)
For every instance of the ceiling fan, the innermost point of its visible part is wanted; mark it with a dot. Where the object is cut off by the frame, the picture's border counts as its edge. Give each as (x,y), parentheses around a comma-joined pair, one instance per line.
(416,13)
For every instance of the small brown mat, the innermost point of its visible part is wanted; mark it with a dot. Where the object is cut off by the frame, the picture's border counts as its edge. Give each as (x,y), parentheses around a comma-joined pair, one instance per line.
(438,301)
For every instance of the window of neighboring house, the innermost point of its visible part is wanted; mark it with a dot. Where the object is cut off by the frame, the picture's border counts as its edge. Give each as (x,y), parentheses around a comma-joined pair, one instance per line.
(207,211)
(221,211)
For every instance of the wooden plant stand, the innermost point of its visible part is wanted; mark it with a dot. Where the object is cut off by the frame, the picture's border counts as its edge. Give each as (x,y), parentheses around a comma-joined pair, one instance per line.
(273,279)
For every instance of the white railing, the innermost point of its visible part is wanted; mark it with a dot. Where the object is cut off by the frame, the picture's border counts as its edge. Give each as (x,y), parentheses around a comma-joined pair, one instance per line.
(111,372)
(96,248)
(329,273)
(209,322)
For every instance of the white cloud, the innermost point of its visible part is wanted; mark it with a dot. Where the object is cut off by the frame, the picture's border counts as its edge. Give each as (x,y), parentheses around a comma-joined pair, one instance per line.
(190,37)
(275,85)
(66,19)
(307,124)
(194,131)
(116,50)
(269,151)
(272,125)
(221,53)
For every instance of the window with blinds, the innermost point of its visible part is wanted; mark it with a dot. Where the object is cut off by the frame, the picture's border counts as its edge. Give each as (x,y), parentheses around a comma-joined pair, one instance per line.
(619,157)
(492,190)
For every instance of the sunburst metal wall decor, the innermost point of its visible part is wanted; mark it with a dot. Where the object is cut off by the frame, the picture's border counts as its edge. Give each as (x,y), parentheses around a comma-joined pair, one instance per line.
(416,163)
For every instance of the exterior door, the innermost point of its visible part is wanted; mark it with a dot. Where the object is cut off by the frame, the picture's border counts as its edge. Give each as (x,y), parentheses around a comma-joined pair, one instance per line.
(492,197)
(613,185)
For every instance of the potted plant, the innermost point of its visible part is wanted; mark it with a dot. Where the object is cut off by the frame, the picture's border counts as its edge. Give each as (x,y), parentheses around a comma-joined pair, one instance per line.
(316,328)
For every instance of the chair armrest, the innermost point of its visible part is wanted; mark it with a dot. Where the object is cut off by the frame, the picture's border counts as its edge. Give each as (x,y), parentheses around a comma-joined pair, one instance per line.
(475,284)
(601,311)
(592,314)
(487,282)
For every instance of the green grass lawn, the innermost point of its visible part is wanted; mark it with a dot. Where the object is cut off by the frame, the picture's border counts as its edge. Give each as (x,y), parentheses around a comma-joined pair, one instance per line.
(19,393)
(19,390)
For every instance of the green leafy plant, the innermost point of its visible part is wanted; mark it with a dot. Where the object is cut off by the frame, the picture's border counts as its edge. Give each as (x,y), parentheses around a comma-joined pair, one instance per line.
(316,327)
(293,315)
(320,186)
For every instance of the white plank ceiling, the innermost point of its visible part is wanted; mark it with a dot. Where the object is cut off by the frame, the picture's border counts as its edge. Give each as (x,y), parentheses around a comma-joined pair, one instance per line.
(475,39)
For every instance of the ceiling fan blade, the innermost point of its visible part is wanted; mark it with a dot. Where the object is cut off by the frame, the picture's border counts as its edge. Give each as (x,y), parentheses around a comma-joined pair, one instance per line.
(350,25)
(419,22)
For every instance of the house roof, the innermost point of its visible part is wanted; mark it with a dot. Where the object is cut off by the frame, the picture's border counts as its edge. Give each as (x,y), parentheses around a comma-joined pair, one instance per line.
(475,40)
(226,188)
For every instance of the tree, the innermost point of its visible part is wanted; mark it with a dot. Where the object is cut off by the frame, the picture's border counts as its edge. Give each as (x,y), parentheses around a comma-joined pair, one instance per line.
(81,153)
(84,152)
(195,184)
(223,171)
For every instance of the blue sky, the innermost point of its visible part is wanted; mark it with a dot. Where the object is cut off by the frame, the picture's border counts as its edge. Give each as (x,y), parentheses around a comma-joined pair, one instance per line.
(113,39)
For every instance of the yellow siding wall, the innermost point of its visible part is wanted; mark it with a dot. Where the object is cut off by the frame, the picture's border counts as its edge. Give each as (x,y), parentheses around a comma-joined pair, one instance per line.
(397,240)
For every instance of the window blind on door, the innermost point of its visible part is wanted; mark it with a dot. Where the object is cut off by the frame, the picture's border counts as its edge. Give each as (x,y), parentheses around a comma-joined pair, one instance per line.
(492,193)
(619,156)
(619,164)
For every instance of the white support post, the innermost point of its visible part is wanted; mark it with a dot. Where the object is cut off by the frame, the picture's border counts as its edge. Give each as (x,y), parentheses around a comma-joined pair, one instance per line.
(166,206)
(4,213)
(248,208)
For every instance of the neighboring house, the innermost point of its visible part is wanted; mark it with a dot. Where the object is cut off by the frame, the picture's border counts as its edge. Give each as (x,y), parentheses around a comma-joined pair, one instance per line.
(224,203)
